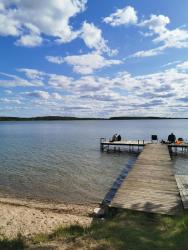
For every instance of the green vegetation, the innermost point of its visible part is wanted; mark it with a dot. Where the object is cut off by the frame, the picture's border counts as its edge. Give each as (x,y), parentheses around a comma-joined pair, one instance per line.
(17,243)
(125,230)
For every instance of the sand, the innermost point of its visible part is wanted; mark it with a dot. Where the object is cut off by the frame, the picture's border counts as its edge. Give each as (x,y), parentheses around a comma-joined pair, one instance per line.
(30,217)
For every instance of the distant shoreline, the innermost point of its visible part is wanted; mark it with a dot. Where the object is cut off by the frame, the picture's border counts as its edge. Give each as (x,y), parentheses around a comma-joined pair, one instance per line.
(67,118)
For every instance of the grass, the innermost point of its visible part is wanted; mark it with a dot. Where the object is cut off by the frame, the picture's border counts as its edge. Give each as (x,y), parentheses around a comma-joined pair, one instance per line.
(123,230)
(17,243)
(126,230)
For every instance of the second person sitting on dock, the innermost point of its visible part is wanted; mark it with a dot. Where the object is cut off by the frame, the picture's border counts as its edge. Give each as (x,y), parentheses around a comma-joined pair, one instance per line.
(119,138)
(114,138)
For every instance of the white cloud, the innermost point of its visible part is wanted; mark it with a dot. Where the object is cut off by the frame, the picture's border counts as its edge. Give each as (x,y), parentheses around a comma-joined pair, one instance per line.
(123,16)
(92,36)
(31,21)
(1,6)
(8,80)
(39,94)
(183,66)
(44,95)
(53,80)
(23,18)
(89,83)
(32,74)
(171,63)
(175,38)
(156,23)
(31,40)
(150,52)
(55,59)
(56,96)
(10,101)
(8,92)
(8,26)
(87,63)
(104,97)
(59,81)
(148,94)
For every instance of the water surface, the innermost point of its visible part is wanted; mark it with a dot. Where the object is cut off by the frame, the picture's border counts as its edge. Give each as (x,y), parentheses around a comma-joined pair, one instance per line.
(61,160)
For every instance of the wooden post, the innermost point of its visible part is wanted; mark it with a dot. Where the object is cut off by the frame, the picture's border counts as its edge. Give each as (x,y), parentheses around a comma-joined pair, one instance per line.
(101,144)
(170,150)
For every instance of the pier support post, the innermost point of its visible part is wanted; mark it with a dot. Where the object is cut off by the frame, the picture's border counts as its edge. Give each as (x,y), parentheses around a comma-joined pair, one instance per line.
(101,144)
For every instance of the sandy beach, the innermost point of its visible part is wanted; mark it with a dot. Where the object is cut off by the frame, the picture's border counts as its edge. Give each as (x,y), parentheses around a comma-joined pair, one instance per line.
(30,217)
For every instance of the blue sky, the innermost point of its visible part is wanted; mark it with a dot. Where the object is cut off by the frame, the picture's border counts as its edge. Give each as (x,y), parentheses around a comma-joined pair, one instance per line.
(91,58)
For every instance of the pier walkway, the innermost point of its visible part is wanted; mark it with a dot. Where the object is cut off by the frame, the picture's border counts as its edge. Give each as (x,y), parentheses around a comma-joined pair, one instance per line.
(150,186)
(106,145)
(130,144)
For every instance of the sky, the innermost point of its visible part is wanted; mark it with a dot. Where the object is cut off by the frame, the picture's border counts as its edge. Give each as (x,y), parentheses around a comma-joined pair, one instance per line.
(93,58)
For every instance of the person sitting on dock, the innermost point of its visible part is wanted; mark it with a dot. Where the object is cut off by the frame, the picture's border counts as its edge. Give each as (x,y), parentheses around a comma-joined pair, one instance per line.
(119,138)
(171,138)
(114,138)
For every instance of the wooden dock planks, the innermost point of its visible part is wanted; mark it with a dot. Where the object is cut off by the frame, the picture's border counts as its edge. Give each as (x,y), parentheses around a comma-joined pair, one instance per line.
(182,182)
(126,143)
(150,186)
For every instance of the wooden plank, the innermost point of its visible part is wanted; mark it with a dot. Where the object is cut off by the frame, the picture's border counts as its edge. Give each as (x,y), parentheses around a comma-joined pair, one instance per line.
(150,186)
(126,143)
(182,182)
(140,143)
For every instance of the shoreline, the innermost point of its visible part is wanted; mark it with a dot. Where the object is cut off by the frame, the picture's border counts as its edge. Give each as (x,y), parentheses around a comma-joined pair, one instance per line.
(29,217)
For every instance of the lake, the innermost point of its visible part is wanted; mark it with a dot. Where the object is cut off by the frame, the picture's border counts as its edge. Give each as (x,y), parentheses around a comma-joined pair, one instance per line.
(61,160)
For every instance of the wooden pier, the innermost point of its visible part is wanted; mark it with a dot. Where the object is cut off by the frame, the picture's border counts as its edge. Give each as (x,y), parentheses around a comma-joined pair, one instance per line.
(182,182)
(115,145)
(150,186)
(106,145)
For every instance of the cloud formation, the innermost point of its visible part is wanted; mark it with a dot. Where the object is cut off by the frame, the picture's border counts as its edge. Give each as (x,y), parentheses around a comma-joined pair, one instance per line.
(9,80)
(92,37)
(183,66)
(157,29)
(123,93)
(55,59)
(44,95)
(175,38)
(94,89)
(52,18)
(86,63)
(123,16)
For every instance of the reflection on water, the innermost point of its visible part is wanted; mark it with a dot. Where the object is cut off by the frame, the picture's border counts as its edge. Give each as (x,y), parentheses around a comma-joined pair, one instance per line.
(181,163)
(61,160)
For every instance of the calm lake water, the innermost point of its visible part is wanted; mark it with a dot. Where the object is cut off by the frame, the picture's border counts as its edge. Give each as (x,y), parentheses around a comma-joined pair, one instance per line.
(61,160)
